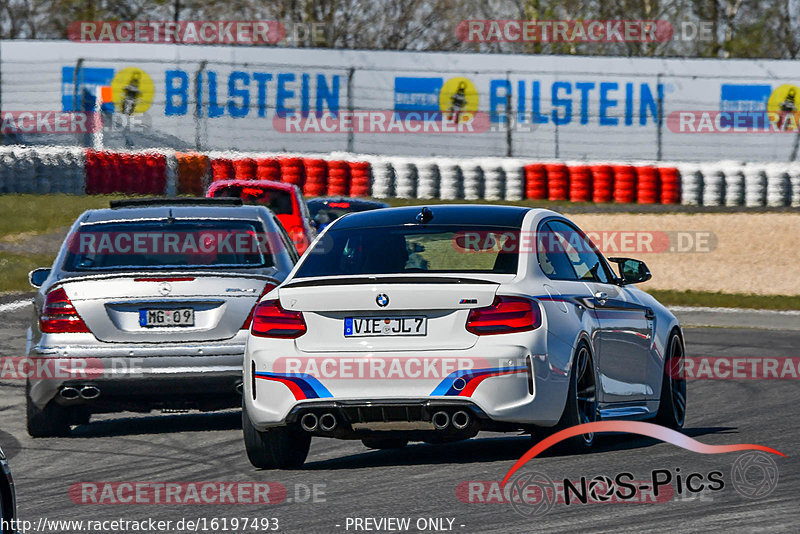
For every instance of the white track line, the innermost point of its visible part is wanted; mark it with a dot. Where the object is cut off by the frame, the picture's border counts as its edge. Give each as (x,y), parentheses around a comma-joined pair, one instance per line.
(15,305)
(709,309)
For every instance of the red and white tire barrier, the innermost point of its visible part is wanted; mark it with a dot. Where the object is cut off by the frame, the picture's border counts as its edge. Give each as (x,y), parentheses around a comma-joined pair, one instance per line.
(77,171)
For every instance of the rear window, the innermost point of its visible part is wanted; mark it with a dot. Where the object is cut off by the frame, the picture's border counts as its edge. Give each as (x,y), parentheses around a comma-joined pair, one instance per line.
(162,245)
(278,201)
(413,249)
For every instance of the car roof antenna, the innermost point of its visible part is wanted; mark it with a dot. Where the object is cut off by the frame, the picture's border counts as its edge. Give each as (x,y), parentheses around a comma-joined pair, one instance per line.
(424,216)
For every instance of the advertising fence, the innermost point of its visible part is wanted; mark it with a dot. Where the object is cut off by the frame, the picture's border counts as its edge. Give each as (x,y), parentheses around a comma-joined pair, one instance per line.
(270,99)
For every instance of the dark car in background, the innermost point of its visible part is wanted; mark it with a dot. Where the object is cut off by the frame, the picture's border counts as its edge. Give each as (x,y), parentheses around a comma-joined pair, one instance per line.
(325,210)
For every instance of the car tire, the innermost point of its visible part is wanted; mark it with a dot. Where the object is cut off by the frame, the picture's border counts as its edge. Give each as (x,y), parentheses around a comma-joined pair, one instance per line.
(50,422)
(384,443)
(579,408)
(283,447)
(672,402)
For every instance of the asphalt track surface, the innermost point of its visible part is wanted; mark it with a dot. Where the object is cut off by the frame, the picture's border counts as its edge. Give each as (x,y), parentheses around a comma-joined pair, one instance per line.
(420,481)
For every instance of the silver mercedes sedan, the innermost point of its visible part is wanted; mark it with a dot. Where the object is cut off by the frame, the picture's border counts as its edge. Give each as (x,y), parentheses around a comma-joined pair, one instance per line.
(147,306)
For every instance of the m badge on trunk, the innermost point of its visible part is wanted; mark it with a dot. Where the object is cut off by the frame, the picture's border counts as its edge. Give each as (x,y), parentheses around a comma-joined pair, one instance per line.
(382,300)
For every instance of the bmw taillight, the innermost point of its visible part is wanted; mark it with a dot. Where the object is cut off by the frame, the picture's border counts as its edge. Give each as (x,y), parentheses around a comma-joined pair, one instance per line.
(59,316)
(271,320)
(506,315)
(267,288)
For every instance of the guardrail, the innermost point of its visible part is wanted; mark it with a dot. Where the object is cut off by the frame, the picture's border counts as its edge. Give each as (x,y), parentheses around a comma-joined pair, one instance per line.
(79,171)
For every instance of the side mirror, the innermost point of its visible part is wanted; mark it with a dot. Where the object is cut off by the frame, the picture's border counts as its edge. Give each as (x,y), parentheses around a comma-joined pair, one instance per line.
(37,276)
(631,271)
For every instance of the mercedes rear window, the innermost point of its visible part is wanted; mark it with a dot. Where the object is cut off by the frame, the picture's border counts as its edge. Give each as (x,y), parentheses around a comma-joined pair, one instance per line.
(413,249)
(202,244)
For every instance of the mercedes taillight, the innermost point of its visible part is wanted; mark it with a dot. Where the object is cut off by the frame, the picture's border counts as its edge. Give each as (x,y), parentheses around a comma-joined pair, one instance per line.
(59,316)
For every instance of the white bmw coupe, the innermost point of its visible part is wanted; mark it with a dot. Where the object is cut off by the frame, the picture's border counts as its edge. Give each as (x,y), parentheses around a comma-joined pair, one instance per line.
(433,324)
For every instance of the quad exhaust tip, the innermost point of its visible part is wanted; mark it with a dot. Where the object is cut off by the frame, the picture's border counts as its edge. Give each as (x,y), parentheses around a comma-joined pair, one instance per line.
(440,420)
(461,420)
(327,422)
(309,422)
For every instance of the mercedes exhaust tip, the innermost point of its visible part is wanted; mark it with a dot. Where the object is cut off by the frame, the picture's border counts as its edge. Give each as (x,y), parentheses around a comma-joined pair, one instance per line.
(90,392)
(440,420)
(69,393)
(309,422)
(327,422)
(461,420)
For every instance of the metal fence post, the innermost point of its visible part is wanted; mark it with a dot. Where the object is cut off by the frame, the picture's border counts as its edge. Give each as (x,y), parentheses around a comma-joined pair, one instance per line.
(509,116)
(198,103)
(97,118)
(350,134)
(76,85)
(76,90)
(660,119)
(555,139)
